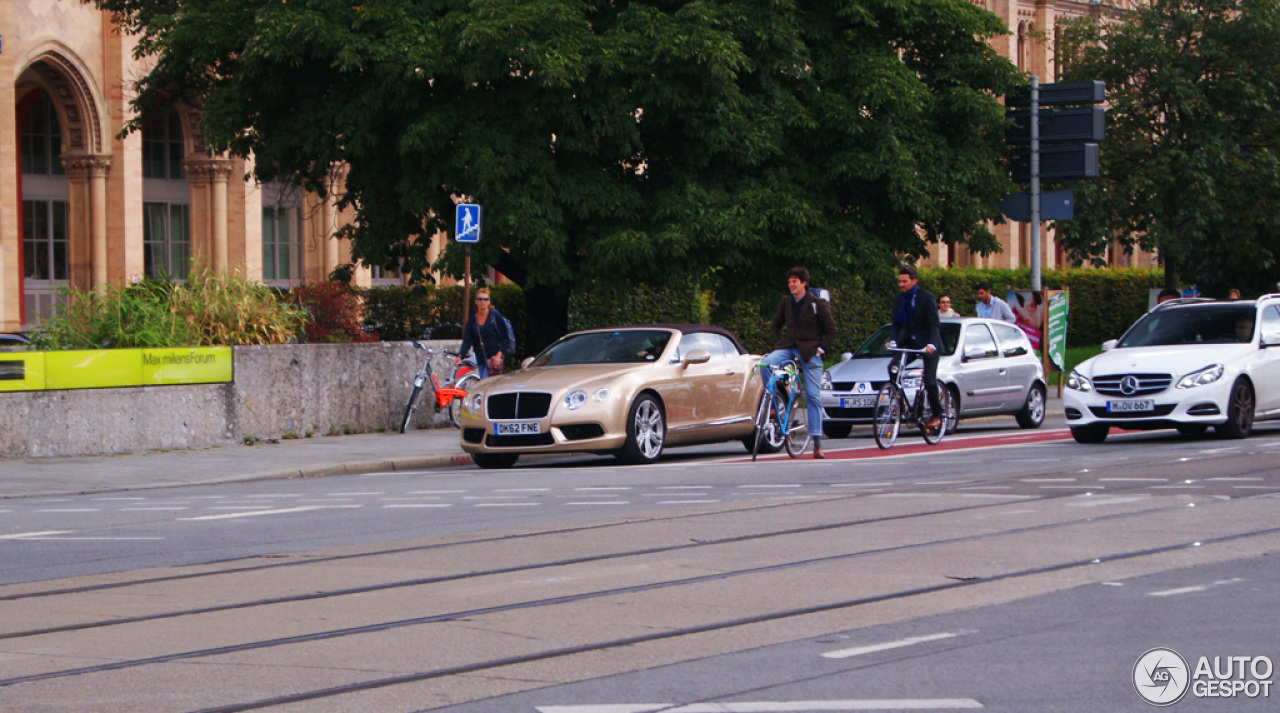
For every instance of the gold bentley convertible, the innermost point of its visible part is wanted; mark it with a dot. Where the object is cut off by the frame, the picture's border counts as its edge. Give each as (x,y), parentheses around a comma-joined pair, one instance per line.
(625,391)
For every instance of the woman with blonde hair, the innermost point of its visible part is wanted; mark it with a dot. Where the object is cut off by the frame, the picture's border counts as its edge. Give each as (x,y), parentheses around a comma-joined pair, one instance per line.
(486,332)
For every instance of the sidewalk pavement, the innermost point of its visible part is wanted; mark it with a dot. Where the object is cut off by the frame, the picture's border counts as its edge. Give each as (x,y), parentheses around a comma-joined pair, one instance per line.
(300,458)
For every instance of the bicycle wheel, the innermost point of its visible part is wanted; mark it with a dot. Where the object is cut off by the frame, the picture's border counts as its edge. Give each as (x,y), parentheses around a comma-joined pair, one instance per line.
(454,412)
(409,407)
(767,438)
(933,436)
(888,415)
(797,426)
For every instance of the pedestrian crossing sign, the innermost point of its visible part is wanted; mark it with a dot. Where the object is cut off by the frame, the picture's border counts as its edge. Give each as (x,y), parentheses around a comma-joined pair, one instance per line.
(467,223)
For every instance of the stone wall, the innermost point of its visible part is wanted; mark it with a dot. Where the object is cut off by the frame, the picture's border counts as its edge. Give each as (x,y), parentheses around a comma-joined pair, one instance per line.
(278,391)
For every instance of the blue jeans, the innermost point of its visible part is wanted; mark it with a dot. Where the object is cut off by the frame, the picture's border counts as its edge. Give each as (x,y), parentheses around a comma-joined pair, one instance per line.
(812,383)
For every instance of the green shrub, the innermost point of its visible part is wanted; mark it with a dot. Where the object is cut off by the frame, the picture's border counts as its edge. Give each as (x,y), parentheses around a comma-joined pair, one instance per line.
(597,305)
(209,310)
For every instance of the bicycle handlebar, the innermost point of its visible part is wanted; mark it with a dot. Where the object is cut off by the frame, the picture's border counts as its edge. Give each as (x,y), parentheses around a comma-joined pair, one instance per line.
(429,350)
(904,350)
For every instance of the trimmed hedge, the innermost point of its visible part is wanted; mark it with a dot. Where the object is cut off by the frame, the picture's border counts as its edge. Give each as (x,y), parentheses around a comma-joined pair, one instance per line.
(1103,302)
(402,313)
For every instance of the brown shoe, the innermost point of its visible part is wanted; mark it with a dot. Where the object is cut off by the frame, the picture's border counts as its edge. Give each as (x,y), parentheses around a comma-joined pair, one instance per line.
(933,424)
(817,452)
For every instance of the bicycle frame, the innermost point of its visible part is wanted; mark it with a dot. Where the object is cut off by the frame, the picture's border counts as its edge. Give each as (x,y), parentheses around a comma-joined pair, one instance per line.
(892,407)
(788,374)
(448,395)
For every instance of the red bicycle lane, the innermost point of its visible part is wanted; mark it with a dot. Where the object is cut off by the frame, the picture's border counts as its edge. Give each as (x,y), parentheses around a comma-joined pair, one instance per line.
(905,446)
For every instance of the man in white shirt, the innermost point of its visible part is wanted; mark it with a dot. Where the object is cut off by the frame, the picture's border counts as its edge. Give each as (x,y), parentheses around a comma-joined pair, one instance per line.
(991,306)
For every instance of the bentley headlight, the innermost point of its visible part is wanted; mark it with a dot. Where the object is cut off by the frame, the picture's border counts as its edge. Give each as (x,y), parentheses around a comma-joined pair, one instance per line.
(601,395)
(1207,375)
(826,381)
(575,399)
(474,403)
(1078,382)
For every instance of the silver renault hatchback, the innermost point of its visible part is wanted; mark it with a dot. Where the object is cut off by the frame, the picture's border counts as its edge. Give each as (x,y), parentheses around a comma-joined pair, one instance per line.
(988,365)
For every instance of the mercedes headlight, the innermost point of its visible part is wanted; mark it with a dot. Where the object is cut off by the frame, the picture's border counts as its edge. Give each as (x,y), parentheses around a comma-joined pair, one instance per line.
(474,403)
(575,399)
(912,379)
(1207,375)
(1078,382)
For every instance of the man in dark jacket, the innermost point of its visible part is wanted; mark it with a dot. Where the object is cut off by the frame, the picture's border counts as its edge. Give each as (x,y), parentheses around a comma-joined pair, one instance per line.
(804,329)
(915,326)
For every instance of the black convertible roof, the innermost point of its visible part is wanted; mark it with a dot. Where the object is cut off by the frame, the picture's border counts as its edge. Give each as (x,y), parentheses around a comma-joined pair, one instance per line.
(686,328)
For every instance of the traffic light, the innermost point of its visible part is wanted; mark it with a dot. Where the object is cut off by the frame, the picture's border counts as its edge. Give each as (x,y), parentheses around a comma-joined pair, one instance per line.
(1069,131)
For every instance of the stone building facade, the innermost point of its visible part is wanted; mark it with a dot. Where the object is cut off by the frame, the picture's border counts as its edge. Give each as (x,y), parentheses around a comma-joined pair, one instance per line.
(82,206)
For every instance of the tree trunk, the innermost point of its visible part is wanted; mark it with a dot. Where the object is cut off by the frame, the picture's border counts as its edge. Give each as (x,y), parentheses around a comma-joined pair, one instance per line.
(1170,271)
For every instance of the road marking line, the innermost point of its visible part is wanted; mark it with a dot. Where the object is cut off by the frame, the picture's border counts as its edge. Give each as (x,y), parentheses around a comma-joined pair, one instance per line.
(1048,480)
(685,502)
(1106,501)
(684,487)
(611,487)
(602,502)
(68,510)
(506,505)
(773,485)
(280,511)
(1193,589)
(1233,479)
(867,704)
(519,490)
(28,535)
(128,498)
(149,509)
(1133,480)
(874,648)
(418,505)
(860,485)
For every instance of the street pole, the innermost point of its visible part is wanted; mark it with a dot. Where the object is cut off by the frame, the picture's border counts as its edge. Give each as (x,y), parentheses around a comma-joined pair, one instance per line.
(1035,184)
(466,286)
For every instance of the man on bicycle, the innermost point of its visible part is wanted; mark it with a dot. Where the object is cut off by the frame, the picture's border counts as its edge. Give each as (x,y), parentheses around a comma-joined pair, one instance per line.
(803,329)
(915,326)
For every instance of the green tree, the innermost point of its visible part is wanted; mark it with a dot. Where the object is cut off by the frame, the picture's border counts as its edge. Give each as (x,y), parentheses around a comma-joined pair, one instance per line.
(659,141)
(1190,165)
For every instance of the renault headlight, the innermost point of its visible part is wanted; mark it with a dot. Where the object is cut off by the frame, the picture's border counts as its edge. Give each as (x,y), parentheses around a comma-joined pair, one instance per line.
(1207,375)
(575,399)
(1078,382)
(474,403)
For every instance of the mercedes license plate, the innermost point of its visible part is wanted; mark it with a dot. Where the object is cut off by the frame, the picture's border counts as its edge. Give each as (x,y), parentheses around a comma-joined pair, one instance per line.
(1131,406)
(516,429)
(858,401)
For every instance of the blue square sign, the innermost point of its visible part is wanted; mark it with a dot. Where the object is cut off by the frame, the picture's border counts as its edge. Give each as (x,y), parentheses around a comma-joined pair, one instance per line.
(467,223)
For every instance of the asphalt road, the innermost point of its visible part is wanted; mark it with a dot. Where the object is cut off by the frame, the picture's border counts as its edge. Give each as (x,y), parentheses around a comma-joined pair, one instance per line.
(1010,570)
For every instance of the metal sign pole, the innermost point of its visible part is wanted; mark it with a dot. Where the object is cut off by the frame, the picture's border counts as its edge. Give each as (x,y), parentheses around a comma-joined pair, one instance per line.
(1035,184)
(466,286)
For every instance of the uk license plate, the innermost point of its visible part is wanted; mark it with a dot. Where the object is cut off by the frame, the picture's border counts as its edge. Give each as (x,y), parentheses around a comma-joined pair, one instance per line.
(858,401)
(517,429)
(1131,406)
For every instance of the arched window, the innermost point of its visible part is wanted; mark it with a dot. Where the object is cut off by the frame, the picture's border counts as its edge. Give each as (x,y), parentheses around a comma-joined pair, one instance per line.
(42,140)
(45,238)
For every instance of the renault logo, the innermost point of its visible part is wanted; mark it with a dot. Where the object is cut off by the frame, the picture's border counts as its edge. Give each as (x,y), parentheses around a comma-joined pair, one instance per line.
(1129,385)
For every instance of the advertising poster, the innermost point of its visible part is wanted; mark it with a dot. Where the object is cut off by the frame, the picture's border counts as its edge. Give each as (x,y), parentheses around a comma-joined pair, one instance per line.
(1028,313)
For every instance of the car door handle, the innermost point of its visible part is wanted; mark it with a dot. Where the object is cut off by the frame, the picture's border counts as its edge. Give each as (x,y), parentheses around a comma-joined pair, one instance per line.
(730,372)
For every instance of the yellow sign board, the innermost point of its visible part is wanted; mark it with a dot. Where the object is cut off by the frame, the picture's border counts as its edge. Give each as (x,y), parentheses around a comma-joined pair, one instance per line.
(105,368)
(21,371)
(192,365)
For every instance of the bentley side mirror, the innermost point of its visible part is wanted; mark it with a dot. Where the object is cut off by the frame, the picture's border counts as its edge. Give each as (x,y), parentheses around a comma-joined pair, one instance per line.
(1109,345)
(696,356)
(527,361)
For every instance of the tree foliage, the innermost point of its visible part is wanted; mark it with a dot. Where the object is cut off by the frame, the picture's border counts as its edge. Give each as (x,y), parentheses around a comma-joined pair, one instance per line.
(1190,165)
(657,140)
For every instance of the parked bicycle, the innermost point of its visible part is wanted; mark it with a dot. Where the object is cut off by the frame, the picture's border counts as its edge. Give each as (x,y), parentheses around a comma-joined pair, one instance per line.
(892,407)
(448,395)
(781,420)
